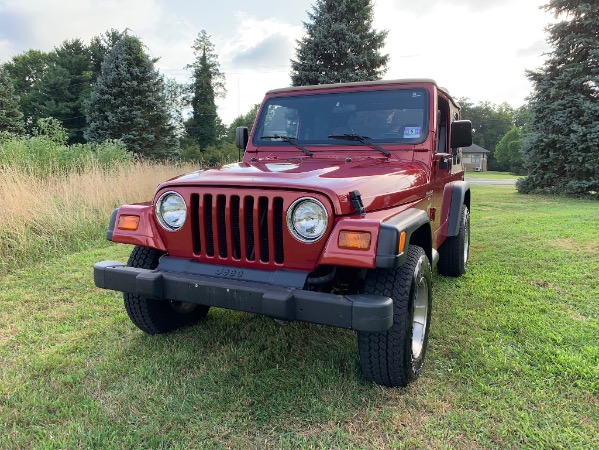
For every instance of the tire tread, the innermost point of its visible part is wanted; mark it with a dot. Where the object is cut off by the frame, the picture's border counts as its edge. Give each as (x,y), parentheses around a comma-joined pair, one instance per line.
(451,252)
(383,357)
(150,315)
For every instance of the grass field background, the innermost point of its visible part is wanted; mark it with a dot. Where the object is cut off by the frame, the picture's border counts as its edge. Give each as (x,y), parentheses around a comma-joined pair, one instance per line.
(513,358)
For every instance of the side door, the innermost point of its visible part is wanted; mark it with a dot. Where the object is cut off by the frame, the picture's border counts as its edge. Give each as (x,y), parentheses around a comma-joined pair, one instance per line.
(442,166)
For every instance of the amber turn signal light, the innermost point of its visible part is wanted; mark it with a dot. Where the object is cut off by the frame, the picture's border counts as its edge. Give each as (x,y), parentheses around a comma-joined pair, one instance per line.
(354,240)
(402,242)
(130,223)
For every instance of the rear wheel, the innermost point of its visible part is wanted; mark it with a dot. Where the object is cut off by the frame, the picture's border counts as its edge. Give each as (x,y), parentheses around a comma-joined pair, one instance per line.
(158,316)
(396,357)
(455,251)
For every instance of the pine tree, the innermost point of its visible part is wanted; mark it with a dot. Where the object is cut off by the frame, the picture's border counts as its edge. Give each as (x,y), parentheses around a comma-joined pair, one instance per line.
(11,118)
(65,87)
(340,45)
(562,144)
(100,46)
(207,85)
(128,102)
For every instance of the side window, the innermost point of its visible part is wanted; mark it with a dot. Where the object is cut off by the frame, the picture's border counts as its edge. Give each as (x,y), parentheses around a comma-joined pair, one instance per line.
(442,126)
(280,121)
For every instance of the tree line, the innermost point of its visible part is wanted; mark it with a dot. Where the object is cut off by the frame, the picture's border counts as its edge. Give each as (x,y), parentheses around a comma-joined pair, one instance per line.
(110,89)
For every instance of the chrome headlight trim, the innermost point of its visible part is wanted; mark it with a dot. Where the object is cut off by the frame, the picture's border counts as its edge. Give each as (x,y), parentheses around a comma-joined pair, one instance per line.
(293,222)
(173,218)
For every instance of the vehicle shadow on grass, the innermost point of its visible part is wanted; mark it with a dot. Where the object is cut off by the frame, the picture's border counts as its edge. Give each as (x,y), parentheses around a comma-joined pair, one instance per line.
(238,371)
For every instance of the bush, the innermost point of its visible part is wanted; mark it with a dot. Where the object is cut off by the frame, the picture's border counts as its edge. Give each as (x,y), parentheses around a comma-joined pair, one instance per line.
(222,154)
(44,155)
(573,188)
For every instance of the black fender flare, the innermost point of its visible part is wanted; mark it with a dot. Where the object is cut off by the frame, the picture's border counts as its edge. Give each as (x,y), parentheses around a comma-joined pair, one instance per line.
(112,224)
(459,196)
(410,221)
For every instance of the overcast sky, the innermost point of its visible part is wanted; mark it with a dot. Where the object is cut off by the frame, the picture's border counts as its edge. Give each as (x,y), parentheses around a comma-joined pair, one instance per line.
(475,48)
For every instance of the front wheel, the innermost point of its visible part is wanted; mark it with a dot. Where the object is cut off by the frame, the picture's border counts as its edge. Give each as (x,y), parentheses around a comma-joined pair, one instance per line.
(395,357)
(158,316)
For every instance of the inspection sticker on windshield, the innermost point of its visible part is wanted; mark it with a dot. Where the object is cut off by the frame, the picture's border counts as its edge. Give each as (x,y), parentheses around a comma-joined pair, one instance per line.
(411,132)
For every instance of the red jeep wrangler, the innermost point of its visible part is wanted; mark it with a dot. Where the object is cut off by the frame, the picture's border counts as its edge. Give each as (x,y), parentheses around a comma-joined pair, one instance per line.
(346,195)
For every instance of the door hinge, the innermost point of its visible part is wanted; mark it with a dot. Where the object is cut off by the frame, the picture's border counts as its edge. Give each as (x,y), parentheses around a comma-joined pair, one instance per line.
(432,212)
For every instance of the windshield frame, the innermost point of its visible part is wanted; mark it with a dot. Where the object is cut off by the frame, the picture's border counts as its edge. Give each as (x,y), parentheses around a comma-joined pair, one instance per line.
(331,96)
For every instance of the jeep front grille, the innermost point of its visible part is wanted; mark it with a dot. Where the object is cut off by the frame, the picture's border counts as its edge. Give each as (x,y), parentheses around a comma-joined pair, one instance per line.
(238,227)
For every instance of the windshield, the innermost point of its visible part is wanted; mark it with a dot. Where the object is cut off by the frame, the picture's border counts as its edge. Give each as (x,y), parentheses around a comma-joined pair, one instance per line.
(385,116)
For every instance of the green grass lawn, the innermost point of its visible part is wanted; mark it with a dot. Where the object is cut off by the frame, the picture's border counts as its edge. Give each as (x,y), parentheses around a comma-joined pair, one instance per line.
(513,359)
(493,175)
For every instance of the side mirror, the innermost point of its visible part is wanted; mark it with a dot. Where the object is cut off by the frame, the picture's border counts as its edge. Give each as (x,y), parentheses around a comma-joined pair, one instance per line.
(241,137)
(461,133)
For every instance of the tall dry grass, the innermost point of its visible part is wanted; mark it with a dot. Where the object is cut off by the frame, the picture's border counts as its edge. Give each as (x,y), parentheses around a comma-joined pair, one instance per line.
(43,217)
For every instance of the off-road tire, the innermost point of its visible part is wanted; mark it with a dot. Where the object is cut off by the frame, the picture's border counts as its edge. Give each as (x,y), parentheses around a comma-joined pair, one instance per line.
(387,357)
(158,316)
(454,252)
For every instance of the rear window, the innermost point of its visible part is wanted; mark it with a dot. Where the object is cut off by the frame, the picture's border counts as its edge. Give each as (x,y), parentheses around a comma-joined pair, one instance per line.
(385,116)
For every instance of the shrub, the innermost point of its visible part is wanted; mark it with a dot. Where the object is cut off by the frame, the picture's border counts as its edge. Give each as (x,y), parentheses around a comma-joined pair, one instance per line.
(225,153)
(43,155)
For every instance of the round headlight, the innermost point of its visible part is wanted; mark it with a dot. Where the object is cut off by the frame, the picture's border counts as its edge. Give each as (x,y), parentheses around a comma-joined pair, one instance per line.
(171,211)
(307,219)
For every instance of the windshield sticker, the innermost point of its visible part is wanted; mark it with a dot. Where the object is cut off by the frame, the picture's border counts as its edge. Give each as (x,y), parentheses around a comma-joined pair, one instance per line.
(411,132)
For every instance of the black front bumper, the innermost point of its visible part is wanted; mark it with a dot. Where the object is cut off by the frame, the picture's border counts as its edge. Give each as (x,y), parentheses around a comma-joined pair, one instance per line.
(187,281)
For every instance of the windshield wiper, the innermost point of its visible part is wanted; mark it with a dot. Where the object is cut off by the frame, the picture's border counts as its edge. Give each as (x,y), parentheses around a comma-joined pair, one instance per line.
(291,140)
(362,139)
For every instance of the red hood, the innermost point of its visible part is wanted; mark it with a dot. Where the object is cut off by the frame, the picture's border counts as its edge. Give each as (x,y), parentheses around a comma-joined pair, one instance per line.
(382,182)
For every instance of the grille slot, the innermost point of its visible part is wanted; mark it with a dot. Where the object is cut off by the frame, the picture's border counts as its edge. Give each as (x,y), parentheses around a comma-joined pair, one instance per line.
(221,204)
(278,229)
(238,227)
(207,212)
(262,214)
(235,227)
(195,223)
(249,228)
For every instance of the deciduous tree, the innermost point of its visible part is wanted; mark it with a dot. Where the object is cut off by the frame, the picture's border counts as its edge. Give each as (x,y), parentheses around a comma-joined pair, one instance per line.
(26,71)
(491,122)
(508,151)
(244,120)
(340,45)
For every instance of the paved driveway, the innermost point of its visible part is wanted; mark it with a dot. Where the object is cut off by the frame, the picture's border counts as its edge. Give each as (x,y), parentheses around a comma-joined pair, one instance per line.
(491,181)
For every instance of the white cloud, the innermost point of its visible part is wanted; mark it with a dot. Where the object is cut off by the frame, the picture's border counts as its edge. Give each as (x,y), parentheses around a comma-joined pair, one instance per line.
(52,24)
(252,33)
(424,6)
(476,48)
(255,59)
(471,52)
